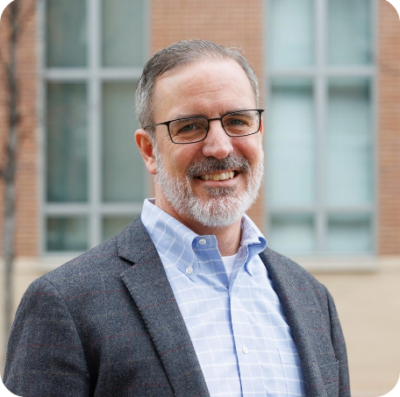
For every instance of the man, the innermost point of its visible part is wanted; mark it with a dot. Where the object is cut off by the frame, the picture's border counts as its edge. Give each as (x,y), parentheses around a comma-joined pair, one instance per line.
(188,300)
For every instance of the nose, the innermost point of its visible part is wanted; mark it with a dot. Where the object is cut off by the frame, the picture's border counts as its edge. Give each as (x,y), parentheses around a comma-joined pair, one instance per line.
(217,144)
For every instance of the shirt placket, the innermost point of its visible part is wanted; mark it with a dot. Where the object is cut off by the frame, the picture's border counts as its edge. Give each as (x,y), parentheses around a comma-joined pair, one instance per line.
(249,367)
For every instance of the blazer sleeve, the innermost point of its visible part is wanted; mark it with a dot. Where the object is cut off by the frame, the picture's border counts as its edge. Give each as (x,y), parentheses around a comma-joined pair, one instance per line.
(45,356)
(339,347)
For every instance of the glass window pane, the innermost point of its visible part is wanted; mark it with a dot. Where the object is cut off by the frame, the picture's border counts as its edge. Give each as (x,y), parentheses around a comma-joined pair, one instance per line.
(66,33)
(290,146)
(349,32)
(292,233)
(66,142)
(349,178)
(291,33)
(112,225)
(66,233)
(350,234)
(122,34)
(123,168)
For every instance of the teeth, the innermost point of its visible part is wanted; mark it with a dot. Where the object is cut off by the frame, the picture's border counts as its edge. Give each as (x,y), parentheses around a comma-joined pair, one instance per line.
(218,177)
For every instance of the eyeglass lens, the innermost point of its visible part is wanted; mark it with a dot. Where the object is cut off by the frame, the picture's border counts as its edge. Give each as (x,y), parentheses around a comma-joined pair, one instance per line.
(195,129)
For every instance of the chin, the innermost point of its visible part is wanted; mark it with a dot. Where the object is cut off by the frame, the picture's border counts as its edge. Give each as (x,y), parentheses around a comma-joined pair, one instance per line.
(215,212)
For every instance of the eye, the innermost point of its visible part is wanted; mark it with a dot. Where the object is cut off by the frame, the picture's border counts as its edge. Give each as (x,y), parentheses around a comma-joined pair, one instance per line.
(236,122)
(189,127)
(186,126)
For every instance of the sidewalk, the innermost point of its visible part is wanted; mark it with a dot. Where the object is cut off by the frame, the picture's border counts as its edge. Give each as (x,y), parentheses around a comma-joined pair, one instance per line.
(369,309)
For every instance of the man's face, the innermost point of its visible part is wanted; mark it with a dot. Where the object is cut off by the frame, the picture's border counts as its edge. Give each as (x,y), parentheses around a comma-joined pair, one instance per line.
(213,182)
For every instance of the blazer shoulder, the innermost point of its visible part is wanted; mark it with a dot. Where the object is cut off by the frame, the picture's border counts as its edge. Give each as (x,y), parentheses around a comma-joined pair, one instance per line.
(287,273)
(106,259)
(290,267)
(96,259)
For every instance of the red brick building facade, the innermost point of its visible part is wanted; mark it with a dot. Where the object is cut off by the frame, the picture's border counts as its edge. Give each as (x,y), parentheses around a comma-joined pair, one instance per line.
(232,23)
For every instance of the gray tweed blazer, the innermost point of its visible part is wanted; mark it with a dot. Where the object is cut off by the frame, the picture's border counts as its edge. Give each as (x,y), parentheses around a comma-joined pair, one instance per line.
(107,324)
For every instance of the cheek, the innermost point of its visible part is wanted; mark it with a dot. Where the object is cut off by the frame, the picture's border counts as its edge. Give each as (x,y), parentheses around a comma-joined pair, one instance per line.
(252,149)
(176,162)
(182,158)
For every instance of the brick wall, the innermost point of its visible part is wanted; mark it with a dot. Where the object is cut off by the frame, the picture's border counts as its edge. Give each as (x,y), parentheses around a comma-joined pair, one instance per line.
(173,20)
(234,23)
(27,204)
(389,130)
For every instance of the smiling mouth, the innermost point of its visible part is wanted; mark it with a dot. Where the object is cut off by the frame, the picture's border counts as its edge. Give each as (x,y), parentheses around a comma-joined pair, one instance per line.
(221,176)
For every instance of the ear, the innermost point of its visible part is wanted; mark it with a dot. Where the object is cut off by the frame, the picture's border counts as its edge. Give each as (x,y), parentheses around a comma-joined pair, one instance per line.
(261,126)
(145,146)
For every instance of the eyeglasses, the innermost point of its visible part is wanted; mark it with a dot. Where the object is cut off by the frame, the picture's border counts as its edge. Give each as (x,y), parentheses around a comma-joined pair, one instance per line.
(195,129)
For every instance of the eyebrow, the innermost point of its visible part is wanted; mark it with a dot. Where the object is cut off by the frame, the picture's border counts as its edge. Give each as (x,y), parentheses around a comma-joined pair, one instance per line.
(205,117)
(191,116)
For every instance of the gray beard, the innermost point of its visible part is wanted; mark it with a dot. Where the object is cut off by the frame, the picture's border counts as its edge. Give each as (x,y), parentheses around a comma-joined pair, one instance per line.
(224,205)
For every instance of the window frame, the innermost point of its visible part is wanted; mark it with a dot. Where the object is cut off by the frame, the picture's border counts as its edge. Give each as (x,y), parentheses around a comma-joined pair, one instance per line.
(319,74)
(94,75)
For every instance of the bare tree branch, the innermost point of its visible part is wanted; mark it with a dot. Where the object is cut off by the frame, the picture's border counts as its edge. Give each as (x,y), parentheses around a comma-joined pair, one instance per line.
(8,171)
(28,13)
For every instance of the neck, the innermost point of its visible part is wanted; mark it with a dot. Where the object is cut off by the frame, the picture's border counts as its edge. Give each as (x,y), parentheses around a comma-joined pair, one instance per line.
(228,237)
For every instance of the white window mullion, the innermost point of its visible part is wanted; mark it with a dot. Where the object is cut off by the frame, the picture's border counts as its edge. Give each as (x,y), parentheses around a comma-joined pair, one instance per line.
(120,74)
(60,74)
(121,209)
(320,110)
(375,10)
(67,210)
(94,124)
(41,100)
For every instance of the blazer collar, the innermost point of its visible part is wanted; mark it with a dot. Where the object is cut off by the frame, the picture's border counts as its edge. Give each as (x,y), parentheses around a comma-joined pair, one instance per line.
(148,284)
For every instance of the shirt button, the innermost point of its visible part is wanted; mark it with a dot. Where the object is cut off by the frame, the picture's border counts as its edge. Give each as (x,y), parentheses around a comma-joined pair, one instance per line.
(245,350)
(189,270)
(202,241)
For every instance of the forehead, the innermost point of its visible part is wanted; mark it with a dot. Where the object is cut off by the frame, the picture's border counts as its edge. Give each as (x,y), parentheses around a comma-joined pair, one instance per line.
(201,87)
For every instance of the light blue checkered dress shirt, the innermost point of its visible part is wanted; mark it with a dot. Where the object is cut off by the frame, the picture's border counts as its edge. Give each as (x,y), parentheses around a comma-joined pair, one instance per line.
(237,325)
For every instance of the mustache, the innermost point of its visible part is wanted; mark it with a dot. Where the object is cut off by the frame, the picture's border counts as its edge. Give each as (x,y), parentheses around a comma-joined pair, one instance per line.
(212,164)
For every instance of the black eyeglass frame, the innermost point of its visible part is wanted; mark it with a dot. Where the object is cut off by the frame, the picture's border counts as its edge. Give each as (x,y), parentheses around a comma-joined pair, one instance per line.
(167,123)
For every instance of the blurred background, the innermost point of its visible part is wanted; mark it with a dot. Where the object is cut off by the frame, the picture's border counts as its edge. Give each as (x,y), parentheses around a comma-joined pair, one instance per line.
(330,81)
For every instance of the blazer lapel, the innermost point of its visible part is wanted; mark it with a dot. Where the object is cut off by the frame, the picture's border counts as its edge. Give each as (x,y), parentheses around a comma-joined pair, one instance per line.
(297,304)
(148,284)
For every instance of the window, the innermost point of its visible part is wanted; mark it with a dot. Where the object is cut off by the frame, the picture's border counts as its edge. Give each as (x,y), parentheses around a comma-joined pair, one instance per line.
(320,126)
(94,178)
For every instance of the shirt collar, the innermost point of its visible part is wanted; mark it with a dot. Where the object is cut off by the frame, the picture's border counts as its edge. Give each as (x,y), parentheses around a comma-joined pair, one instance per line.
(171,237)
(251,234)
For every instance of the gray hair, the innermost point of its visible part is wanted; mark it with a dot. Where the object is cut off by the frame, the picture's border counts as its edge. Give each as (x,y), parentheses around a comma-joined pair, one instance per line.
(181,53)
